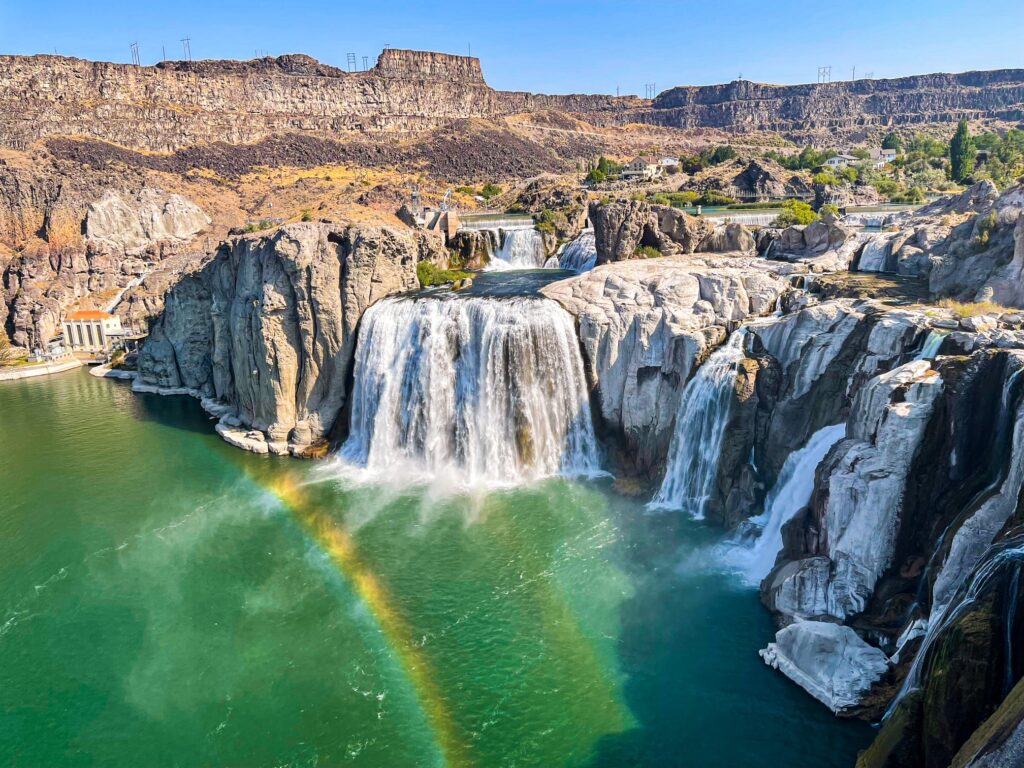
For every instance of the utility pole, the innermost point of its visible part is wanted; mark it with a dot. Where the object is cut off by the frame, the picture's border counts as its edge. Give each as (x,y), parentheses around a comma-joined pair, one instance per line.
(163,52)
(649,90)
(366,63)
(351,62)
(825,74)
(186,48)
(853,73)
(135,54)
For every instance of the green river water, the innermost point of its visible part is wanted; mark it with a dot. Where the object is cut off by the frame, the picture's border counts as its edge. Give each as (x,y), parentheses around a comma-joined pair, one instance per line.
(168,600)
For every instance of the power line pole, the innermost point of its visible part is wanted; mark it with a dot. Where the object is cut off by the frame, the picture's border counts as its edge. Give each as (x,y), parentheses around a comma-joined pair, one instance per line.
(366,63)
(163,52)
(186,48)
(351,62)
(135,54)
(649,90)
(825,74)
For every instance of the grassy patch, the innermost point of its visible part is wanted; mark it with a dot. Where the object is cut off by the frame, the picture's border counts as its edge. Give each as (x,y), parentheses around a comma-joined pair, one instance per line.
(430,275)
(972,309)
(647,252)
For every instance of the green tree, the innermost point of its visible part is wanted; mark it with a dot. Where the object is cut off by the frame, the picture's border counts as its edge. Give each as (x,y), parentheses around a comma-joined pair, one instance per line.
(893,141)
(795,212)
(490,190)
(596,176)
(961,153)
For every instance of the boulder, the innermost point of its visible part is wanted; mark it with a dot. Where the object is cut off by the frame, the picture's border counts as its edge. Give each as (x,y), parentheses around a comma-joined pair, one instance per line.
(829,661)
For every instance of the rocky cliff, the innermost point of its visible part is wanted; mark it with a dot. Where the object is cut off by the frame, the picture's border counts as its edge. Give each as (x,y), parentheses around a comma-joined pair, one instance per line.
(265,333)
(176,105)
(179,104)
(745,106)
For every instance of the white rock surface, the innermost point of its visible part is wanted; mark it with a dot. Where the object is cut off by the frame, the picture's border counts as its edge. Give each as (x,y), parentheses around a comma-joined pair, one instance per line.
(829,661)
(129,225)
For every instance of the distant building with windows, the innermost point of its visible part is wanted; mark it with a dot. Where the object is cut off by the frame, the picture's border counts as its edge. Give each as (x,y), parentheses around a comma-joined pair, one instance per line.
(641,168)
(91,330)
(840,161)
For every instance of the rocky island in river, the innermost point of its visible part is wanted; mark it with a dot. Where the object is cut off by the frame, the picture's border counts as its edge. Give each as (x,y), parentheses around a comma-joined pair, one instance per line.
(559,366)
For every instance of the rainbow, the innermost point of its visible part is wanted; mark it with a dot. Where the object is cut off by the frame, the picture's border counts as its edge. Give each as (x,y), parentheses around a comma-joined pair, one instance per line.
(337,543)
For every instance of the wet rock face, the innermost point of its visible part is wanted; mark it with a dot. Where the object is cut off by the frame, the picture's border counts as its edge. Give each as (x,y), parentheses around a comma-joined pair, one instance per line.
(268,327)
(646,324)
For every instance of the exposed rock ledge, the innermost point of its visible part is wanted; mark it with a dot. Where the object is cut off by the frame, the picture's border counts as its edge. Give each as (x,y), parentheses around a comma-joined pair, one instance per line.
(265,333)
(646,324)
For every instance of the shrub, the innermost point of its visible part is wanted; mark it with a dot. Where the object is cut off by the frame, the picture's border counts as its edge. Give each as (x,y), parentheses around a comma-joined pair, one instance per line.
(596,176)
(430,274)
(829,208)
(825,178)
(307,215)
(259,226)
(490,190)
(795,212)
(984,228)
(714,197)
(647,252)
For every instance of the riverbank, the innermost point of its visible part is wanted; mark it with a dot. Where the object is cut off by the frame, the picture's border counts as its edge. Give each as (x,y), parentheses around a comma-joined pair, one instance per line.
(41,369)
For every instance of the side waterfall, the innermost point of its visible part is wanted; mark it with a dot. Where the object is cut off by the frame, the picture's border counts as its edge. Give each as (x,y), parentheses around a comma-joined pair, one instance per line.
(874,255)
(932,344)
(519,248)
(488,390)
(580,255)
(791,493)
(700,426)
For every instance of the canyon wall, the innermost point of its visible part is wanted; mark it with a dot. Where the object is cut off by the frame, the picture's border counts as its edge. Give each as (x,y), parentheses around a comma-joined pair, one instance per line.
(175,105)
(744,105)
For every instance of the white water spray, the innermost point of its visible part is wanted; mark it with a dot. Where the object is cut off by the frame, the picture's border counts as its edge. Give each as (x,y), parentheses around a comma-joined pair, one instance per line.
(700,426)
(874,255)
(932,344)
(481,390)
(580,255)
(518,248)
(791,493)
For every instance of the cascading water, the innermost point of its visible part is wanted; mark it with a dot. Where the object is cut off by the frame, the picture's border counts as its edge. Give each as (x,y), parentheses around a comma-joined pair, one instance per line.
(518,248)
(932,344)
(791,492)
(580,255)
(874,255)
(700,426)
(483,389)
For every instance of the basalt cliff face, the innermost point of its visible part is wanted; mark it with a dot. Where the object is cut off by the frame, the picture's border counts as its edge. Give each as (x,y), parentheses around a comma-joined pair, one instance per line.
(179,104)
(176,105)
(938,98)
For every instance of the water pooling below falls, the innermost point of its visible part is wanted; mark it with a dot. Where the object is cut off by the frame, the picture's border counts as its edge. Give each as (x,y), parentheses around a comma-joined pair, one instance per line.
(470,389)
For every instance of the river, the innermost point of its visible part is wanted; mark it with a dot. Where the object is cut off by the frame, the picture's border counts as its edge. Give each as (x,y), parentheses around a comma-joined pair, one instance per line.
(166,599)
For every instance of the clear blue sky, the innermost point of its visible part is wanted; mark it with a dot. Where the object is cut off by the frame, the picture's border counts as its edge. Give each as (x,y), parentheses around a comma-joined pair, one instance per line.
(553,47)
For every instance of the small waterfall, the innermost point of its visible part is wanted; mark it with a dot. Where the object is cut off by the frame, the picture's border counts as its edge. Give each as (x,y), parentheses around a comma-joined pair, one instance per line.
(791,493)
(580,255)
(700,426)
(932,344)
(519,248)
(1010,552)
(481,389)
(874,255)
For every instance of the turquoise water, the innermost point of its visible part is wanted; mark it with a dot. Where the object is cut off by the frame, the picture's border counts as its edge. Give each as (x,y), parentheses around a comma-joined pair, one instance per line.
(167,600)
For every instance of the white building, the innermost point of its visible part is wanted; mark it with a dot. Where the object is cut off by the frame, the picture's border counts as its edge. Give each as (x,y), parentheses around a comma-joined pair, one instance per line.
(882,157)
(840,161)
(641,168)
(91,330)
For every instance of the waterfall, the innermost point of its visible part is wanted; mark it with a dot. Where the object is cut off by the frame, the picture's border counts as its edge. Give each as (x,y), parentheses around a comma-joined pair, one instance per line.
(791,493)
(519,248)
(483,389)
(703,414)
(1009,552)
(931,346)
(580,255)
(874,255)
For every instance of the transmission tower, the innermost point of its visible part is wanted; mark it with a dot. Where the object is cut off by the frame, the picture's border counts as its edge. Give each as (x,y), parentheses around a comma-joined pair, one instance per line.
(649,90)
(186,48)
(135,54)
(869,75)
(825,74)
(351,62)
(366,63)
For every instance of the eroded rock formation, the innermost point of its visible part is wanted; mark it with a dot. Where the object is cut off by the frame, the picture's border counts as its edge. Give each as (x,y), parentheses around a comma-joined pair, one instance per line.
(266,331)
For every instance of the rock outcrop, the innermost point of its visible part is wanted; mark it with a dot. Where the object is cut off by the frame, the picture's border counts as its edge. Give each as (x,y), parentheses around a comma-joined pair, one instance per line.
(266,331)
(131,226)
(646,324)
